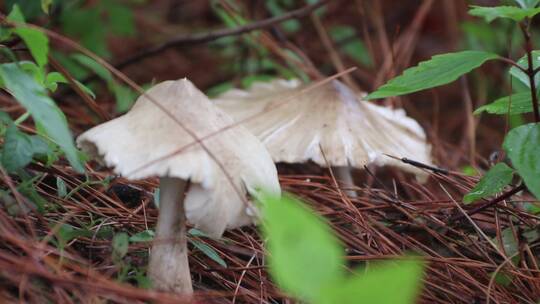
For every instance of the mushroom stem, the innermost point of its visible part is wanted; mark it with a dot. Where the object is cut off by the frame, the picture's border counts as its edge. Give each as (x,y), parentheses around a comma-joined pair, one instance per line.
(343,175)
(169,268)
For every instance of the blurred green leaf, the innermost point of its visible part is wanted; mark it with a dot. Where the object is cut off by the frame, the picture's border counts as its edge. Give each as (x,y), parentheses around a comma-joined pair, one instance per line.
(502,278)
(86,25)
(515,104)
(120,18)
(304,255)
(352,46)
(93,66)
(208,251)
(46,5)
(524,63)
(491,183)
(385,283)
(37,42)
(28,8)
(521,144)
(17,150)
(527,3)
(61,187)
(439,70)
(510,12)
(143,236)
(16,15)
(125,97)
(120,246)
(43,109)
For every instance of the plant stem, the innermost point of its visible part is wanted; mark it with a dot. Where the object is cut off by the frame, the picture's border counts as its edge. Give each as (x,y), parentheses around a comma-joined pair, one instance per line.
(344,176)
(169,268)
(531,71)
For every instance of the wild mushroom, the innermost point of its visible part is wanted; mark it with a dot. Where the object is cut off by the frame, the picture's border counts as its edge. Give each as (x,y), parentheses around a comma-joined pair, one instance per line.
(218,173)
(349,131)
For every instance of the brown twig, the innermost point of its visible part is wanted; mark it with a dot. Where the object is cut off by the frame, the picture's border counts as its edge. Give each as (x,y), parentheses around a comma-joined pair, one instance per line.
(182,40)
(490,203)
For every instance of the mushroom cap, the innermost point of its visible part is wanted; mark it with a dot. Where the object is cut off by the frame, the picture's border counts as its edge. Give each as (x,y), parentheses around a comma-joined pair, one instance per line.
(349,130)
(132,143)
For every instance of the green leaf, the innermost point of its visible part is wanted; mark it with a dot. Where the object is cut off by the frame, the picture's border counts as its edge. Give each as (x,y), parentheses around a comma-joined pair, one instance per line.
(527,3)
(524,63)
(509,12)
(46,5)
(94,66)
(521,144)
(61,187)
(17,150)
(440,70)
(52,79)
(385,283)
(36,41)
(345,37)
(515,104)
(43,109)
(304,256)
(120,18)
(120,246)
(125,97)
(208,251)
(491,183)
(16,15)
(143,236)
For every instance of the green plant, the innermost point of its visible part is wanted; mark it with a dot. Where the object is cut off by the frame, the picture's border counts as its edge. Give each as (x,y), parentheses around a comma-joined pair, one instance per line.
(522,142)
(306,261)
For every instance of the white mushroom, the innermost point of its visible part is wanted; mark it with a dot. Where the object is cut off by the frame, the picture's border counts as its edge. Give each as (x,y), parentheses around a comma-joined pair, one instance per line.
(295,126)
(147,142)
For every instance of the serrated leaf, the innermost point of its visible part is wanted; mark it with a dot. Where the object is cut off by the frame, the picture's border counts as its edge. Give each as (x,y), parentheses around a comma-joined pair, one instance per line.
(439,70)
(42,108)
(491,183)
(36,41)
(17,150)
(143,236)
(519,103)
(384,283)
(304,256)
(521,145)
(527,3)
(508,12)
(209,252)
(524,63)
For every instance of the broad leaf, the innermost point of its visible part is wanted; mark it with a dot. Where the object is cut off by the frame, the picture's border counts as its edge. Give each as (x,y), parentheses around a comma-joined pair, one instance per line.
(304,256)
(385,283)
(491,183)
(527,3)
(17,151)
(439,70)
(509,12)
(518,103)
(524,63)
(37,42)
(521,144)
(120,246)
(16,15)
(42,108)
(143,236)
